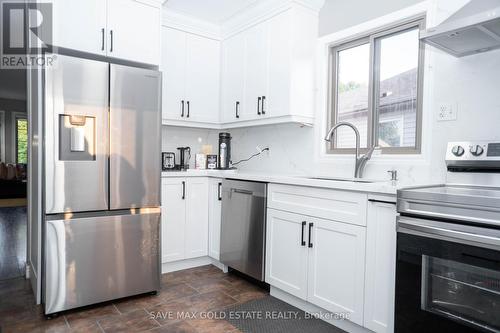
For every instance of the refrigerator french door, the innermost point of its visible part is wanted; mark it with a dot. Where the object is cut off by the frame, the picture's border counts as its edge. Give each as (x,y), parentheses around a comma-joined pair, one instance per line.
(102,182)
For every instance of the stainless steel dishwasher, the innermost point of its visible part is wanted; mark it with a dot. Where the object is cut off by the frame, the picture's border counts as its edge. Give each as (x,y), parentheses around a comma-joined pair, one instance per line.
(244,226)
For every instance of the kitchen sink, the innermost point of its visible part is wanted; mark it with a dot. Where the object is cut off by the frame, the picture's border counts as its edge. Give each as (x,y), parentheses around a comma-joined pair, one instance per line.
(353,180)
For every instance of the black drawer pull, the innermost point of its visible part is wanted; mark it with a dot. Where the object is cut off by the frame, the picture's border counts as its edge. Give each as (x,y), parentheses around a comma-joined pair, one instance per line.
(183,190)
(237,109)
(182,108)
(303,241)
(258,105)
(310,234)
(219,193)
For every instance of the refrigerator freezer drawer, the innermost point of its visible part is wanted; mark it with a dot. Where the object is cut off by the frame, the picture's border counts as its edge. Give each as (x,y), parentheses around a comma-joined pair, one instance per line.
(96,259)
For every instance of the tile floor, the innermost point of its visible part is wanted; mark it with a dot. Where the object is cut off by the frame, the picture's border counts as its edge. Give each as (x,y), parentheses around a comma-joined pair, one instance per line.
(13,223)
(195,290)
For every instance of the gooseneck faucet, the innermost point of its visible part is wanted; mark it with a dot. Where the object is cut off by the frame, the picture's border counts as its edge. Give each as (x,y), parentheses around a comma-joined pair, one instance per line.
(360,163)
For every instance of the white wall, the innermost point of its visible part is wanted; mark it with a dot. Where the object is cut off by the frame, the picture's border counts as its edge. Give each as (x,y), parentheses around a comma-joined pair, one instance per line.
(341,14)
(470,83)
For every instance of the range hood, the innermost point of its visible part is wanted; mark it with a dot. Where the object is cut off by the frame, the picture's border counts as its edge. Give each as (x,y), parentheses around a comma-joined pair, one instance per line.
(475,28)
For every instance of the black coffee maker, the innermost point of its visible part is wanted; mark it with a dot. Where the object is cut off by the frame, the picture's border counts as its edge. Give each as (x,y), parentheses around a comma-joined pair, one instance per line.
(224,151)
(184,156)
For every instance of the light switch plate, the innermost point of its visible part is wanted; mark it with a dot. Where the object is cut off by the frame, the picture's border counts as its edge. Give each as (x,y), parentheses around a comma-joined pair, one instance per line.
(447,112)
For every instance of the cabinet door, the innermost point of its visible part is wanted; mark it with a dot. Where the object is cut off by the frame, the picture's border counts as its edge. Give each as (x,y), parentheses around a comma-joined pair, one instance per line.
(196,244)
(233,80)
(255,69)
(80,25)
(202,79)
(173,217)
(286,254)
(173,66)
(380,267)
(214,217)
(134,31)
(337,267)
(277,102)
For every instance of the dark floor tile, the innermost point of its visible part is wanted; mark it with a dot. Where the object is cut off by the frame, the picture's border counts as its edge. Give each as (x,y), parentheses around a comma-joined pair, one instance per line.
(168,293)
(135,321)
(191,274)
(9,268)
(177,327)
(212,326)
(214,300)
(84,318)
(37,324)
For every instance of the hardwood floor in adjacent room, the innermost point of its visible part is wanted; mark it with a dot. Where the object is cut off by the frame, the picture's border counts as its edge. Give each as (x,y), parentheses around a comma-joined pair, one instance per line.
(181,306)
(13,235)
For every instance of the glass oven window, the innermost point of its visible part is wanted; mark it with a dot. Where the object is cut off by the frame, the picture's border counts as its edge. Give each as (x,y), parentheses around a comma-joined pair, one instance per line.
(461,292)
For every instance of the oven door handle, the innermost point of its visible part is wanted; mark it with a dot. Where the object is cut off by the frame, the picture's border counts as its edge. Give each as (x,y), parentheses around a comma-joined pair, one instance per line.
(456,233)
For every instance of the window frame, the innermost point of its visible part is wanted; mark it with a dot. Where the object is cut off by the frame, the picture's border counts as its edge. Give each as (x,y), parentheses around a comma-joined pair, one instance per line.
(372,38)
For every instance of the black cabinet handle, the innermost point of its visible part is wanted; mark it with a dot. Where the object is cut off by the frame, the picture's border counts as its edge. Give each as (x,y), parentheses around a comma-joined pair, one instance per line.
(219,192)
(258,105)
(310,233)
(263,103)
(237,109)
(182,108)
(188,109)
(303,242)
(183,190)
(103,31)
(111,34)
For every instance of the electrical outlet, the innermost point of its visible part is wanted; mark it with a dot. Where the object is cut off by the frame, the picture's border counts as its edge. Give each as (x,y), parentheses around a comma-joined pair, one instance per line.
(447,112)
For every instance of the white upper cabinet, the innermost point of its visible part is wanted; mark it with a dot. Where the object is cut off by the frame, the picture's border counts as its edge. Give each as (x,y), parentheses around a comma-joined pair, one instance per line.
(80,25)
(202,79)
(134,31)
(234,87)
(278,70)
(173,66)
(256,68)
(191,78)
(124,29)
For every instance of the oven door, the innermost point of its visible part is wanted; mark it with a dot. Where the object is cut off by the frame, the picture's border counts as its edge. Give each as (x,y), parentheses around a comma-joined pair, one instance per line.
(447,277)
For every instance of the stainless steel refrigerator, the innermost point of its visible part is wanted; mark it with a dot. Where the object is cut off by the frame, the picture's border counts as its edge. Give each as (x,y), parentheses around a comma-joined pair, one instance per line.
(102,182)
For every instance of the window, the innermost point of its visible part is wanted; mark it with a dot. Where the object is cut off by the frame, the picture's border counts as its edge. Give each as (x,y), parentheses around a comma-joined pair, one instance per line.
(377,86)
(21,140)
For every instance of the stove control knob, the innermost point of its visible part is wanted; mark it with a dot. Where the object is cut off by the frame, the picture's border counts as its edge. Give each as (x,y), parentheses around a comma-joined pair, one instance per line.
(458,151)
(476,150)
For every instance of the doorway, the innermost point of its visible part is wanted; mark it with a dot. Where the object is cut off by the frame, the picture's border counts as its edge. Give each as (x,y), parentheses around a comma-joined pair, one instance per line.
(13,173)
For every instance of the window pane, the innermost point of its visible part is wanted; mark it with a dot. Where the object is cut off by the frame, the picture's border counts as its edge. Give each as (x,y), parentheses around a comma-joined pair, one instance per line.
(22,141)
(352,94)
(397,104)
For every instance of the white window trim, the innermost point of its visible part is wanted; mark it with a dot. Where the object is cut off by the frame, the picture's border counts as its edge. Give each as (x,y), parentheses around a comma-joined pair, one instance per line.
(328,161)
(15,116)
(2,136)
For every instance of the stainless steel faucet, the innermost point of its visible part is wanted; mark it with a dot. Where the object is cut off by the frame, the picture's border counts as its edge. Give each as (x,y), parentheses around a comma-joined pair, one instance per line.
(360,164)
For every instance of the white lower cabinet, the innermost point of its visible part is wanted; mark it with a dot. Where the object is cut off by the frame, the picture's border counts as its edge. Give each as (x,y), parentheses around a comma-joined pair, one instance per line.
(286,252)
(380,267)
(214,217)
(320,261)
(184,218)
(336,267)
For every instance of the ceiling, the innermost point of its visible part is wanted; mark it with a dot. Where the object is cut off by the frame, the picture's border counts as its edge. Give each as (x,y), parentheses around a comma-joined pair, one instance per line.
(214,11)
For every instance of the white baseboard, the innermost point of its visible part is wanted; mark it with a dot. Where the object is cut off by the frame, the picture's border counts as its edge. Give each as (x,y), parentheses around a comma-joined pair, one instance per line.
(345,325)
(191,263)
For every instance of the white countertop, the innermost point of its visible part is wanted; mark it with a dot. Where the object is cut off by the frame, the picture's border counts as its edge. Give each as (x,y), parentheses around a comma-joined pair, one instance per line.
(379,187)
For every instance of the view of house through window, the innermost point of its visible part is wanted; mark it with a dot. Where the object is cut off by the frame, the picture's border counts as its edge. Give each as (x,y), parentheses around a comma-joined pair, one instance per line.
(22,140)
(377,89)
